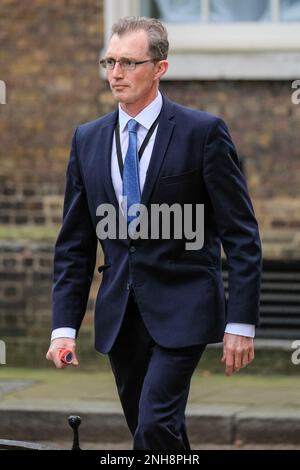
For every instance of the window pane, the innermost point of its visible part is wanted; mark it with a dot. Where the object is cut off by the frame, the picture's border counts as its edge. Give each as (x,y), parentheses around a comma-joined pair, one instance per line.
(229,11)
(173,11)
(290,10)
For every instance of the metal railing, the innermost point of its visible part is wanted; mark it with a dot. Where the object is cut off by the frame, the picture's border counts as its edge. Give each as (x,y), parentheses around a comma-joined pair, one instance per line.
(9,444)
(280,299)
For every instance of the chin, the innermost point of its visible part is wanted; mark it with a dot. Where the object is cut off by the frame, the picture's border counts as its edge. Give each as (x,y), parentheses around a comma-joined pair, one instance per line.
(120,95)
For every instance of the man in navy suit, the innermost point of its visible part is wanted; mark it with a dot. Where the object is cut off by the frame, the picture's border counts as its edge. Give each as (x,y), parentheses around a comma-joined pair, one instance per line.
(159,303)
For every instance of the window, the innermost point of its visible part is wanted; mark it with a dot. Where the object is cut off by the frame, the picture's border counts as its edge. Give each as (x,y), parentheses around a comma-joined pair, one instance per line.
(176,11)
(222,11)
(235,11)
(223,39)
(289,10)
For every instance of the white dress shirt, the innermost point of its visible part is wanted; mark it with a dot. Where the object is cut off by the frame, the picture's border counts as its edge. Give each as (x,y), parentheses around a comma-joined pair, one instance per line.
(145,118)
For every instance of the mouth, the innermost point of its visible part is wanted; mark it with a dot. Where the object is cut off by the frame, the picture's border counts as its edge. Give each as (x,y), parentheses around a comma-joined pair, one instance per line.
(119,86)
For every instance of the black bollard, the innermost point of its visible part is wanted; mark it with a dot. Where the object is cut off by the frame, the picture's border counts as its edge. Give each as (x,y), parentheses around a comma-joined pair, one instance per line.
(74,422)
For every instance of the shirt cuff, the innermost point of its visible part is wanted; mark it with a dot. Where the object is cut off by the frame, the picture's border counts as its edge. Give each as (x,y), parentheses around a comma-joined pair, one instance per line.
(63,333)
(243,329)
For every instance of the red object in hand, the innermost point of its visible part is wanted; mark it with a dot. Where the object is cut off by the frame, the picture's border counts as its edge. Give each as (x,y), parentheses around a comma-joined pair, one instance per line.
(66,355)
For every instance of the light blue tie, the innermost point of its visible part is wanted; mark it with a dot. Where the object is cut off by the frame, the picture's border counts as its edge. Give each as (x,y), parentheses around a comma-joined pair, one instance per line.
(131,185)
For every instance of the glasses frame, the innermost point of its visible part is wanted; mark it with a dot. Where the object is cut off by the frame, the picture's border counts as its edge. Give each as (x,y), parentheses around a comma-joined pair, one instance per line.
(130,66)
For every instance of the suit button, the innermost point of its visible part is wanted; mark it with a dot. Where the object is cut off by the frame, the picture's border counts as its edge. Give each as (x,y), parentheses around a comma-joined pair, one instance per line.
(132,249)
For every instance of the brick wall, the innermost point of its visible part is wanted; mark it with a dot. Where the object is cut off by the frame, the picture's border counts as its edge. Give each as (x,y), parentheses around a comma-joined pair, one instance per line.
(25,272)
(264,124)
(49,54)
(34,204)
(25,298)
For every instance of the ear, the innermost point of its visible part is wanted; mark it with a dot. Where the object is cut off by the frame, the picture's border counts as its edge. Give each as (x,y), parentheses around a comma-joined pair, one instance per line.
(161,68)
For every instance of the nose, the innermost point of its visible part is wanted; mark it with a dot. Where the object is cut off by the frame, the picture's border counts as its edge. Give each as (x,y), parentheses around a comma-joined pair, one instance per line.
(117,70)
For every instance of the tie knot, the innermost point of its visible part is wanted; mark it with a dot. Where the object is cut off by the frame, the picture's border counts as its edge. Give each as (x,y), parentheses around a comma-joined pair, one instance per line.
(132,125)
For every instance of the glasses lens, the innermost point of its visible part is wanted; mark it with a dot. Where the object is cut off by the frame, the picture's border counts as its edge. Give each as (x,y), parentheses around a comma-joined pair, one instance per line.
(110,63)
(107,63)
(127,64)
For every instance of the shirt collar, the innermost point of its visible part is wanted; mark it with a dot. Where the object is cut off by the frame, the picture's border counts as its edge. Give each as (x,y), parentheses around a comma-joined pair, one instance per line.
(146,117)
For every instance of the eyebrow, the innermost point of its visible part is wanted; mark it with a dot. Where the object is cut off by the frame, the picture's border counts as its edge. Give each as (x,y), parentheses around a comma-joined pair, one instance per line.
(121,58)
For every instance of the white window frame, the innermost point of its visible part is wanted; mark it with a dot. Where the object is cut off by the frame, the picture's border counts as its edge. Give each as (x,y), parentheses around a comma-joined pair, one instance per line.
(223,51)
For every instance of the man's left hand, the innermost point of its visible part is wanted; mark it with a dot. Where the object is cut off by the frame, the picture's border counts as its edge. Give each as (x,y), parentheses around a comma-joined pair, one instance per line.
(238,352)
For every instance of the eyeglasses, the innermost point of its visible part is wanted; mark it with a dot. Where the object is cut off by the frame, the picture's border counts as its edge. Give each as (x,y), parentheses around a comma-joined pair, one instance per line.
(125,64)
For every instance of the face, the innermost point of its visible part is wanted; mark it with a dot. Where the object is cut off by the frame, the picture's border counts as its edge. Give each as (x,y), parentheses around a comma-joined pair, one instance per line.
(138,86)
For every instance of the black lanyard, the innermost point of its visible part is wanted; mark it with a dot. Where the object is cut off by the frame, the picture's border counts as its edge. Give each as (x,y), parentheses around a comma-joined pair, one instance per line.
(142,148)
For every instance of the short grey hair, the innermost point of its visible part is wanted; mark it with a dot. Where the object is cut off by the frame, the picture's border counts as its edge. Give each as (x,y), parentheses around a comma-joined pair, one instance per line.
(157,33)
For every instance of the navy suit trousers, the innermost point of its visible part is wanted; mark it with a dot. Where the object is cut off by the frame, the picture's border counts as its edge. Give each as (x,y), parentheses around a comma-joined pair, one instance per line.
(153,384)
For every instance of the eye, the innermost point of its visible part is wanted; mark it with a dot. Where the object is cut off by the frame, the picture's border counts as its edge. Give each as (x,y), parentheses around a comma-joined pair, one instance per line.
(126,62)
(110,62)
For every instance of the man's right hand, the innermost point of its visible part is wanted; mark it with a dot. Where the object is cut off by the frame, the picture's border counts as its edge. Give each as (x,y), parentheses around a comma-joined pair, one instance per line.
(55,346)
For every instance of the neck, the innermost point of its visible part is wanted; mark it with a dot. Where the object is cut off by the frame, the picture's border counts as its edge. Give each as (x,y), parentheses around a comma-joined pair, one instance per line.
(133,109)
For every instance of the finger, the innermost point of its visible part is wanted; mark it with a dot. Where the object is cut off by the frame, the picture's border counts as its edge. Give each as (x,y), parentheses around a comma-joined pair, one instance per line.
(224,350)
(229,364)
(251,355)
(248,355)
(57,362)
(227,358)
(246,358)
(229,368)
(237,360)
(75,360)
(48,356)
(55,358)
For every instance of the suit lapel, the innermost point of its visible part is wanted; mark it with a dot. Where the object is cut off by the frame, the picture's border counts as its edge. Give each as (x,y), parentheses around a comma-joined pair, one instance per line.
(162,139)
(106,140)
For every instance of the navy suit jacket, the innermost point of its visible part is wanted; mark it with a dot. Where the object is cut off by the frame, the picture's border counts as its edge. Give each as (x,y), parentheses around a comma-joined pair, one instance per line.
(180,293)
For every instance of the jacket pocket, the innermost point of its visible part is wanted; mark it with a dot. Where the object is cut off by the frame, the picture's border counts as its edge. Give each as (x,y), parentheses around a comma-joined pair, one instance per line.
(194,266)
(179,178)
